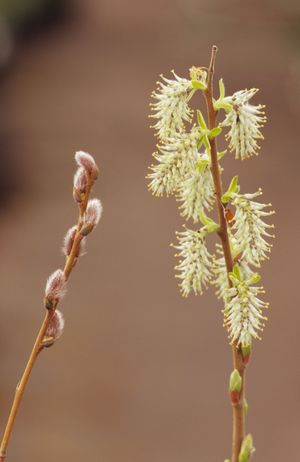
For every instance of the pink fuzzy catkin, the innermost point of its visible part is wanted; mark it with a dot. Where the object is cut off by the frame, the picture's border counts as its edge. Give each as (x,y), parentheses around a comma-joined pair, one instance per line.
(56,286)
(86,161)
(56,325)
(69,240)
(93,212)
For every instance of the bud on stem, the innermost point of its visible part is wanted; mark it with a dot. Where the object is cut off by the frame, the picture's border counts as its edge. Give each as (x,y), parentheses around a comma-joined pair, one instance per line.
(246,449)
(69,241)
(87,162)
(55,289)
(245,407)
(80,185)
(91,216)
(54,329)
(235,386)
(246,351)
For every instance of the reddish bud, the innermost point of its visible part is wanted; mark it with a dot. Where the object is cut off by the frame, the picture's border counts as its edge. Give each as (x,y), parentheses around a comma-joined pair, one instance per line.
(55,289)
(87,161)
(235,397)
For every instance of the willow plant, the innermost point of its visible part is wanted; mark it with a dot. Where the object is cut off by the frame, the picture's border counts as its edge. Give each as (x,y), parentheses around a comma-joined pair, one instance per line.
(189,167)
(89,214)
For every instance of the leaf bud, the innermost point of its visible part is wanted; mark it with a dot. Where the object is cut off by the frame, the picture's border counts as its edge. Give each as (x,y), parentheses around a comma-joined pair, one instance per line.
(235,386)
(246,351)
(247,449)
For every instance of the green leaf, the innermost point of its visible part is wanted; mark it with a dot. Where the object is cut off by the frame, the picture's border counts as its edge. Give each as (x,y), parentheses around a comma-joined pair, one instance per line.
(201,120)
(210,225)
(215,132)
(201,165)
(226,106)
(254,279)
(206,143)
(222,154)
(225,198)
(222,102)
(233,184)
(233,189)
(235,382)
(198,85)
(236,272)
(222,88)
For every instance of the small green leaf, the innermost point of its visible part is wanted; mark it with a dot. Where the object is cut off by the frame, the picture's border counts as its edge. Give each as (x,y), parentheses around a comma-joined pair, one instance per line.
(225,198)
(222,88)
(222,154)
(201,121)
(210,225)
(233,189)
(233,184)
(212,228)
(215,132)
(198,85)
(236,272)
(201,165)
(235,382)
(226,106)
(206,143)
(222,102)
(254,279)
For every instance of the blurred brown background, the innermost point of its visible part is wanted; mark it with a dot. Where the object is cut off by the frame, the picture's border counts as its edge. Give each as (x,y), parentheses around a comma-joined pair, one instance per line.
(140,374)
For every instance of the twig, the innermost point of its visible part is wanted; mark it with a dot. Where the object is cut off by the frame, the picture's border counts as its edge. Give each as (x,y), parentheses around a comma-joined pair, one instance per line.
(89,177)
(238,432)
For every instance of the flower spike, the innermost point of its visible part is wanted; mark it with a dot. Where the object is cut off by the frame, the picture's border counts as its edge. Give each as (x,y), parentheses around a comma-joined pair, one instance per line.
(245,122)
(176,158)
(249,228)
(243,310)
(171,106)
(195,263)
(196,190)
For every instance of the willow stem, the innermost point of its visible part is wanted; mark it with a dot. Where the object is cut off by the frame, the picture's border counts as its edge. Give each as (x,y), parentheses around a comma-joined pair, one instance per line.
(238,432)
(38,347)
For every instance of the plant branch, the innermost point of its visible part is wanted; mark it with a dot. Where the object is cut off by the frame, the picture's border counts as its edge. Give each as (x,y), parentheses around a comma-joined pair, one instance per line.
(238,413)
(38,346)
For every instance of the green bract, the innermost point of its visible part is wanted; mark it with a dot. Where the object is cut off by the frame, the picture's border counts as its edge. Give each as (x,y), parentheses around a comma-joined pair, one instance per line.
(235,383)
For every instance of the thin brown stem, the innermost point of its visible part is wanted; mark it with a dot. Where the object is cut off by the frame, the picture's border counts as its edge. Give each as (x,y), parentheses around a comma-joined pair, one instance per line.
(22,384)
(238,413)
(38,347)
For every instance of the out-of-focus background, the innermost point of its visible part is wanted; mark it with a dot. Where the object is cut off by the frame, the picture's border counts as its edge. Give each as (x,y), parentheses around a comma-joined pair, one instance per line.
(140,374)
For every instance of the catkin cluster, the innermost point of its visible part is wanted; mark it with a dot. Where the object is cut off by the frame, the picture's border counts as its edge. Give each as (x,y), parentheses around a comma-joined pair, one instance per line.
(183,169)
(90,211)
